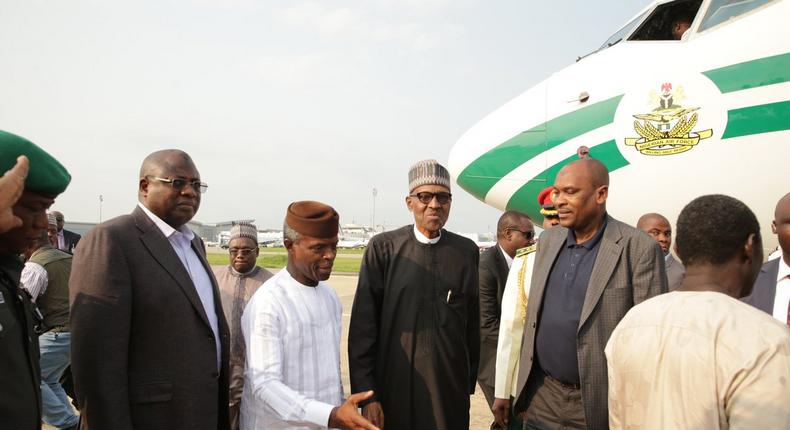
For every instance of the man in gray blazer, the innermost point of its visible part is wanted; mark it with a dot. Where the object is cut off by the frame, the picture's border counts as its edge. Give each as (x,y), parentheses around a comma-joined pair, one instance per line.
(771,291)
(657,226)
(149,338)
(588,273)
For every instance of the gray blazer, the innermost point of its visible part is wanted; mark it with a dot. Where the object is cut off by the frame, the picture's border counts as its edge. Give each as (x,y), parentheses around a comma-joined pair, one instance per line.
(675,273)
(143,353)
(628,270)
(764,291)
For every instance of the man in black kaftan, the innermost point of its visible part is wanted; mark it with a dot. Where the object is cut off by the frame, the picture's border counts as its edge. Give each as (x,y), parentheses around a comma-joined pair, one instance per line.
(414,335)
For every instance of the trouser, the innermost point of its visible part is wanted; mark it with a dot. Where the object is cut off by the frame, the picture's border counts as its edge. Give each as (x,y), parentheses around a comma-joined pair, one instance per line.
(552,405)
(55,357)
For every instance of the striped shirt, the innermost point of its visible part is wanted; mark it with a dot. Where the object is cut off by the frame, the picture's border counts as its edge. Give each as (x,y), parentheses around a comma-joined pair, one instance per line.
(292,333)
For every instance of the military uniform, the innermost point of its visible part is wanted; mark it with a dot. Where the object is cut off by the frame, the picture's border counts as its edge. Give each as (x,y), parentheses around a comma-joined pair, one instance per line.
(20,396)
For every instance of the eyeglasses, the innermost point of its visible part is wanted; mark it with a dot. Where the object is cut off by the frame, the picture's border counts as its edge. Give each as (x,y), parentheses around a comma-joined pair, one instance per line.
(426,197)
(529,234)
(179,184)
(243,251)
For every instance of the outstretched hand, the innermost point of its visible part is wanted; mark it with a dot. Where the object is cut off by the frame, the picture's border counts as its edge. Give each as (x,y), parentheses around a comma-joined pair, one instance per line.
(347,417)
(12,183)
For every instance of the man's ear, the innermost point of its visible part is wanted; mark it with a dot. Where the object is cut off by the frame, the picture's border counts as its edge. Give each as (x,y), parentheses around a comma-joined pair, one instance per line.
(773,226)
(601,194)
(143,186)
(752,249)
(289,244)
(409,203)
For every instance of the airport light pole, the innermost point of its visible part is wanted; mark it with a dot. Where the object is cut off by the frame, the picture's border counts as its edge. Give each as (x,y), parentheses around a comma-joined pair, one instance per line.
(373,215)
(101,199)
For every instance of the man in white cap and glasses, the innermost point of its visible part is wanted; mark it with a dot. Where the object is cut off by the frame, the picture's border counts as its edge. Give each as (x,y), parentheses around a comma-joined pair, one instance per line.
(414,337)
(237,282)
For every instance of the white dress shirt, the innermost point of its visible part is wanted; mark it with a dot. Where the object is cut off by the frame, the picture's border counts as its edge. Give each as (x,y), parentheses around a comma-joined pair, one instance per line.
(34,279)
(782,296)
(508,258)
(181,241)
(292,379)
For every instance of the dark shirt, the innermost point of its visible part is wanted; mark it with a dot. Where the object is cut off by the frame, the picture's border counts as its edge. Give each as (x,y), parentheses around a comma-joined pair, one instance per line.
(563,299)
(20,395)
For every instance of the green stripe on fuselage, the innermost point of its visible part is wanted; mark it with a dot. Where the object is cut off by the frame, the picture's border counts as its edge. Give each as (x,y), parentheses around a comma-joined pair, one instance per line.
(525,199)
(757,119)
(751,74)
(482,174)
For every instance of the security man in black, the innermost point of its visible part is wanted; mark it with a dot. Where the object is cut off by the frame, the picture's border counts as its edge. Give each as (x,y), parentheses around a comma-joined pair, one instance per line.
(20,374)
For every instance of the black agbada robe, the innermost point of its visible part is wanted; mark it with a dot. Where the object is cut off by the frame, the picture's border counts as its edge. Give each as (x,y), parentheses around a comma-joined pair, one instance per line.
(414,336)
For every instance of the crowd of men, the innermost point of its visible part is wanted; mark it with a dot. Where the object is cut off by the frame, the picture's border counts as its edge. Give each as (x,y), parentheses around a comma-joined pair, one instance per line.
(595,324)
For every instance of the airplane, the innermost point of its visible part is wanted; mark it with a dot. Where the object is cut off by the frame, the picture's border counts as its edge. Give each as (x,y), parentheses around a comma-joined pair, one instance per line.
(690,97)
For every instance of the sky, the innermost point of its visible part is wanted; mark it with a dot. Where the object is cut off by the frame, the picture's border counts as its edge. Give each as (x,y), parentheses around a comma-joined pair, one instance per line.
(277,101)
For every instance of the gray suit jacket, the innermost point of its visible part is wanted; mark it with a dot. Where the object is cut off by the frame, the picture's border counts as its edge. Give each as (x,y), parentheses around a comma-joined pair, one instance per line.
(143,353)
(675,272)
(628,270)
(492,272)
(764,291)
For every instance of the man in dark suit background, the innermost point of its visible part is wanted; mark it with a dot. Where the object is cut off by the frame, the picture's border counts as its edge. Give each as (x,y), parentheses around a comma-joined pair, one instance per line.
(514,231)
(771,291)
(149,338)
(657,226)
(67,240)
(588,273)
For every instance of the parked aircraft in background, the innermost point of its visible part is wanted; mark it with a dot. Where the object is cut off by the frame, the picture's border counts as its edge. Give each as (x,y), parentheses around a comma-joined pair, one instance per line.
(690,97)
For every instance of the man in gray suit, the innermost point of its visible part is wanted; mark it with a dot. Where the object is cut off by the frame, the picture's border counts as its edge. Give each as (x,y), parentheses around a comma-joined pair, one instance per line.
(771,291)
(149,338)
(588,273)
(657,226)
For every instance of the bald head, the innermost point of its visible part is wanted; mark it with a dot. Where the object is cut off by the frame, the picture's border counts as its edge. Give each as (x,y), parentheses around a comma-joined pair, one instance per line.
(162,161)
(657,226)
(650,217)
(589,168)
(514,231)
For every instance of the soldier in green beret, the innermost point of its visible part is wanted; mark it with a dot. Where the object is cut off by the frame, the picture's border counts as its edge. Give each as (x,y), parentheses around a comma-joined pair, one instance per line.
(20,398)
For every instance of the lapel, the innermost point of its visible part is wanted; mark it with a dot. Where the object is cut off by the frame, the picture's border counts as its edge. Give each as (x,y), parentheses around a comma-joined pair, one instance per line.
(162,252)
(605,263)
(544,260)
(767,291)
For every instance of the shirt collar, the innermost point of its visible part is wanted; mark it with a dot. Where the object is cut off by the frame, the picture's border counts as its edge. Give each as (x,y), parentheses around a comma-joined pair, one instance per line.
(590,244)
(508,258)
(424,239)
(784,269)
(166,229)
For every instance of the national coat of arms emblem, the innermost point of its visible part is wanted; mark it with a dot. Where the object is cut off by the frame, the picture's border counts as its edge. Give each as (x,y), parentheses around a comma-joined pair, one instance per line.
(668,129)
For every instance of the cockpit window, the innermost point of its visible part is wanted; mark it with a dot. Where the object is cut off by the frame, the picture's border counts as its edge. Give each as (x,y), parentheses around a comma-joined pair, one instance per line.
(623,32)
(722,10)
(668,21)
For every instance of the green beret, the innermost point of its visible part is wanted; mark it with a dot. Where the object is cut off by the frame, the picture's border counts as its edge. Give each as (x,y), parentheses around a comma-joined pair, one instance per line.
(46,175)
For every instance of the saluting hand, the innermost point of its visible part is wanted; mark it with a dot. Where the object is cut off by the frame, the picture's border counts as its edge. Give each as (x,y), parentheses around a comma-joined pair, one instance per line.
(347,417)
(12,183)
